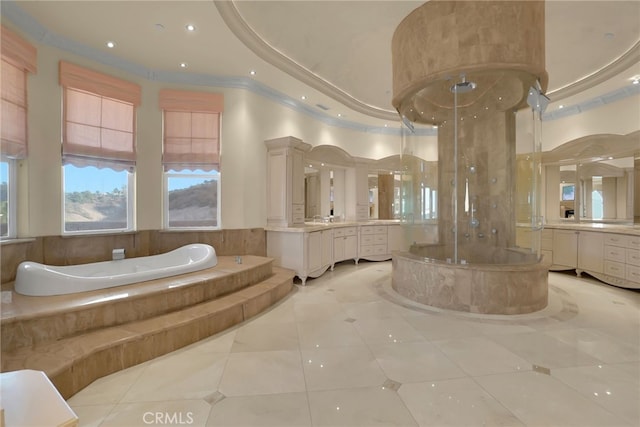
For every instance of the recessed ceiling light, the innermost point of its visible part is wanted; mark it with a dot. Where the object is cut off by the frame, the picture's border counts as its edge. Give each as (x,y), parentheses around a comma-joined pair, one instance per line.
(190,27)
(386,125)
(339,115)
(183,65)
(635,80)
(303,97)
(561,106)
(252,72)
(111,45)
(609,35)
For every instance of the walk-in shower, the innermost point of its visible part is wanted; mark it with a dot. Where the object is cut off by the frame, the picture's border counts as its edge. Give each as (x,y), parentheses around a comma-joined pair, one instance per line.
(474,70)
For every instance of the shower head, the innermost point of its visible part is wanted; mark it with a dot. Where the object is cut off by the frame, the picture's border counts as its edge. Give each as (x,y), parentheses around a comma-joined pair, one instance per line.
(463,87)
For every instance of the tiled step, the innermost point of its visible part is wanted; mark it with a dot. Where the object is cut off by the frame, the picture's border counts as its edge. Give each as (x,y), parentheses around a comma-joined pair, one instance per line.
(29,321)
(74,362)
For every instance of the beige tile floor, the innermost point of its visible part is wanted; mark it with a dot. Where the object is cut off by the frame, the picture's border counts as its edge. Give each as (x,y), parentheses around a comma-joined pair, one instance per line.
(347,351)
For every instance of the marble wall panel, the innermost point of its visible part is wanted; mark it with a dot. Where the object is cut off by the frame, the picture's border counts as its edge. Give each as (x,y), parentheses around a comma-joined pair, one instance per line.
(11,255)
(70,250)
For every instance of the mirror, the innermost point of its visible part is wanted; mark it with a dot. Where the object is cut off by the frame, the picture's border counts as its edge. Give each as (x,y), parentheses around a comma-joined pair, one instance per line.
(373,195)
(606,190)
(594,179)
(325,183)
(567,192)
(311,192)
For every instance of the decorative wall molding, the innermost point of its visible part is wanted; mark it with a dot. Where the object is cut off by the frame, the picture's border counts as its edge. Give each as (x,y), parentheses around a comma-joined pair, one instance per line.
(25,23)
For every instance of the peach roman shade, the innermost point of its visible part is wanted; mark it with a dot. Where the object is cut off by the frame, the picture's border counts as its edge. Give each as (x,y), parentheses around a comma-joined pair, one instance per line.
(99,118)
(18,59)
(191,129)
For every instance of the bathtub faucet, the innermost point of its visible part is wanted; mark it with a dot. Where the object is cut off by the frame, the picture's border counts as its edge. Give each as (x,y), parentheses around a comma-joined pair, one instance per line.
(117,254)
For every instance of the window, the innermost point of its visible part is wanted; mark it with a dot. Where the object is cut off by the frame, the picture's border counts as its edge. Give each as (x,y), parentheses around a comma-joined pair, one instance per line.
(97,199)
(7,199)
(191,158)
(191,199)
(98,150)
(18,58)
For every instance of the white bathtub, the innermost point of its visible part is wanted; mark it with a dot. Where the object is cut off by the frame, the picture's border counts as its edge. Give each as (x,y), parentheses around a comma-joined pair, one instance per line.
(37,279)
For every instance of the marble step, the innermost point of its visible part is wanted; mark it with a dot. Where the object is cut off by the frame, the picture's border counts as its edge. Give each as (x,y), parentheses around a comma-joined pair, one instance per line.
(29,321)
(74,362)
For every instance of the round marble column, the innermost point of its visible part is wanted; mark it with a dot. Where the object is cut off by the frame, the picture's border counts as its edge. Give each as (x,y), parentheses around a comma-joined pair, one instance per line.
(497,47)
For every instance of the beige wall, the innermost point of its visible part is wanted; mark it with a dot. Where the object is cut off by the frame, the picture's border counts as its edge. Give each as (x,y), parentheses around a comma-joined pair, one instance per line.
(248,120)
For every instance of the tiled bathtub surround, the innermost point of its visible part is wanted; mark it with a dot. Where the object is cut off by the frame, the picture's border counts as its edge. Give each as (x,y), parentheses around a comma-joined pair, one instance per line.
(345,351)
(70,250)
(29,321)
(77,338)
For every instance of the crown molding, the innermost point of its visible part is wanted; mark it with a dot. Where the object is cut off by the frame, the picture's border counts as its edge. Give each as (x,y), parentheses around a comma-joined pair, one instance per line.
(611,70)
(241,29)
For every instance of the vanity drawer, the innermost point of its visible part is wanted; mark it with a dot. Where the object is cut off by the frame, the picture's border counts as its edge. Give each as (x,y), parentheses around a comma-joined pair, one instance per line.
(367,229)
(380,230)
(338,232)
(298,214)
(379,249)
(633,273)
(633,242)
(633,257)
(366,239)
(615,240)
(366,250)
(616,269)
(380,239)
(615,253)
(362,212)
(350,231)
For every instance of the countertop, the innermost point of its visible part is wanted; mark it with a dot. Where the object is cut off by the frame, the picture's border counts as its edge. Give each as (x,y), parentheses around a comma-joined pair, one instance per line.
(630,229)
(309,227)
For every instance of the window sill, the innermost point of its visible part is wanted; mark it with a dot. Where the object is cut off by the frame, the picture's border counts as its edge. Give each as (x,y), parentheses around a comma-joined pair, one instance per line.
(10,241)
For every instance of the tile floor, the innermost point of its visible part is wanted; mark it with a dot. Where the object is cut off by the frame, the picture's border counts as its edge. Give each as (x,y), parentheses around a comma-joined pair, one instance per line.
(347,351)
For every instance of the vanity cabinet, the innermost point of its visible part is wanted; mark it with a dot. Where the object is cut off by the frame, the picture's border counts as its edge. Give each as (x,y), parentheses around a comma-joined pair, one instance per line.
(377,242)
(309,254)
(582,250)
(611,257)
(565,249)
(373,243)
(311,249)
(285,181)
(345,244)
(622,260)
(319,247)
(590,252)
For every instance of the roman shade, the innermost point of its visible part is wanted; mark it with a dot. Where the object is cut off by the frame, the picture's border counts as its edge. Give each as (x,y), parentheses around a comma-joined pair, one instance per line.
(191,137)
(18,59)
(99,118)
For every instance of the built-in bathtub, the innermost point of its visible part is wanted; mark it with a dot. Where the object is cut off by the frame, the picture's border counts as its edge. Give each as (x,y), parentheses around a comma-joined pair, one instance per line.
(35,279)
(485,280)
